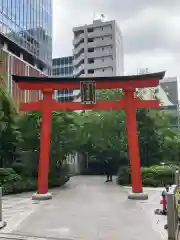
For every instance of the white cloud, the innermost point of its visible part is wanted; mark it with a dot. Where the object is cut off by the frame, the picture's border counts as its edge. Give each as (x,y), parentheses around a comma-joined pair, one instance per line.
(155,60)
(151,30)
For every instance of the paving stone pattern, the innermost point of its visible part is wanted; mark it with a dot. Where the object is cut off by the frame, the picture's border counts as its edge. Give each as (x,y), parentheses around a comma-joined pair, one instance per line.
(16,208)
(86,209)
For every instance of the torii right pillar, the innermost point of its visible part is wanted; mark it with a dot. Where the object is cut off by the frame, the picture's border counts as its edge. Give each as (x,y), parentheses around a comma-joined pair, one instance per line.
(131,103)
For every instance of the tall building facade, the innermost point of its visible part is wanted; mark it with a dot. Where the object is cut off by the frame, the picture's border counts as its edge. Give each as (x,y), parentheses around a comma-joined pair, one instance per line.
(170,86)
(63,67)
(25,43)
(156,92)
(28,23)
(98,50)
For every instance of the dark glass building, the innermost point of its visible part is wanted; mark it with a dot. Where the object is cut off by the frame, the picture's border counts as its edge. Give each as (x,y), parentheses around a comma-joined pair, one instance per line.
(25,44)
(28,23)
(63,67)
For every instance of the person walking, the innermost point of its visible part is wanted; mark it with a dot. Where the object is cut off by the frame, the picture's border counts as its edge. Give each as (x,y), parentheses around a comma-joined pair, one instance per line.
(108,170)
(164,199)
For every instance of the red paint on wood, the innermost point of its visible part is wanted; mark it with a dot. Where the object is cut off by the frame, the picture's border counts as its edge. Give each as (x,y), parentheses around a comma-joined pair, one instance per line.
(45,145)
(147,103)
(130,110)
(99,85)
(31,106)
(54,106)
(104,105)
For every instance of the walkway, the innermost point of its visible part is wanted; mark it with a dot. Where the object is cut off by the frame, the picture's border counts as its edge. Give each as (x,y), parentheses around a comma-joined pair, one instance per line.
(88,209)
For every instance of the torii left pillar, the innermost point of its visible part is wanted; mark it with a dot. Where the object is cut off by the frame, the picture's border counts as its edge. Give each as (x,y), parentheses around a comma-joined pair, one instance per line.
(43,172)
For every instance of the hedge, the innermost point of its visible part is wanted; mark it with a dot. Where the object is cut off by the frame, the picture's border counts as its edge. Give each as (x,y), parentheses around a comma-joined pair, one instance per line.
(154,176)
(11,182)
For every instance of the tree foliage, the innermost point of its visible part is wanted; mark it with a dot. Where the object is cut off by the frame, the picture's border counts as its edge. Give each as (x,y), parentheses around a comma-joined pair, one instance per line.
(9,134)
(103,133)
(96,134)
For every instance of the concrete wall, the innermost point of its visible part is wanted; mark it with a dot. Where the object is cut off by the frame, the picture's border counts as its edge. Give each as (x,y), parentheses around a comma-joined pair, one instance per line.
(74,162)
(170,86)
(150,93)
(98,50)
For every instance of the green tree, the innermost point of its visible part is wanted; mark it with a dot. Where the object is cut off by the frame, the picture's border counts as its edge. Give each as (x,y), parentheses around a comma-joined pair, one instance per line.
(62,139)
(103,133)
(9,134)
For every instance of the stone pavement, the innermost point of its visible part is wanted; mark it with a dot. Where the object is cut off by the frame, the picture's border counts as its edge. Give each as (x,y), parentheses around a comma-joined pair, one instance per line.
(84,209)
(16,208)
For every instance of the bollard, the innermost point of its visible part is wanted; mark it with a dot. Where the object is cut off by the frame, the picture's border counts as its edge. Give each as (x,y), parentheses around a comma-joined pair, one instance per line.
(2,223)
(177,178)
(172,216)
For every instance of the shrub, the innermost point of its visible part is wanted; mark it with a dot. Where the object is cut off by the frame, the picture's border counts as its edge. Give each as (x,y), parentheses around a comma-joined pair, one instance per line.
(18,167)
(124,177)
(12,182)
(26,185)
(154,176)
(7,188)
(19,187)
(59,177)
(4,172)
(57,182)
(11,170)
(12,178)
(150,182)
(31,184)
(160,174)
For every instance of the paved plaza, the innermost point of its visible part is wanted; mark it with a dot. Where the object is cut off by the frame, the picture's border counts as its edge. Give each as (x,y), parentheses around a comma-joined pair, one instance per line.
(84,209)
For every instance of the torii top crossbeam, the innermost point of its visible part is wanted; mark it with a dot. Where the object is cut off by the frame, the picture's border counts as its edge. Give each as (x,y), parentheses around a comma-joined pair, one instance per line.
(52,83)
(138,81)
(129,103)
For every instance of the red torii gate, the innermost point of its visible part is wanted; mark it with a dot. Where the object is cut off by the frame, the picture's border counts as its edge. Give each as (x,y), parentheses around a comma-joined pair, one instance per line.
(129,103)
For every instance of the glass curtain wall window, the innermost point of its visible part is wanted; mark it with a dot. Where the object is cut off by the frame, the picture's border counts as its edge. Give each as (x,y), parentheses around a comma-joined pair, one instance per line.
(29,24)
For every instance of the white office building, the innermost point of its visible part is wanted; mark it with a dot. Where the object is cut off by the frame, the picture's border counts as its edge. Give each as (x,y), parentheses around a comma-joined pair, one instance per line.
(156,92)
(98,50)
(170,87)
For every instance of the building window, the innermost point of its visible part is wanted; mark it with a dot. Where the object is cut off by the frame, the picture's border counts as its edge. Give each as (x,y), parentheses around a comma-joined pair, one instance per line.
(71,69)
(71,60)
(54,72)
(66,60)
(90,60)
(90,40)
(90,50)
(90,71)
(90,30)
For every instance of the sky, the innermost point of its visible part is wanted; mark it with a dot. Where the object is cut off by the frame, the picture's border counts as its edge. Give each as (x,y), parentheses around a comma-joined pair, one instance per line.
(151,30)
